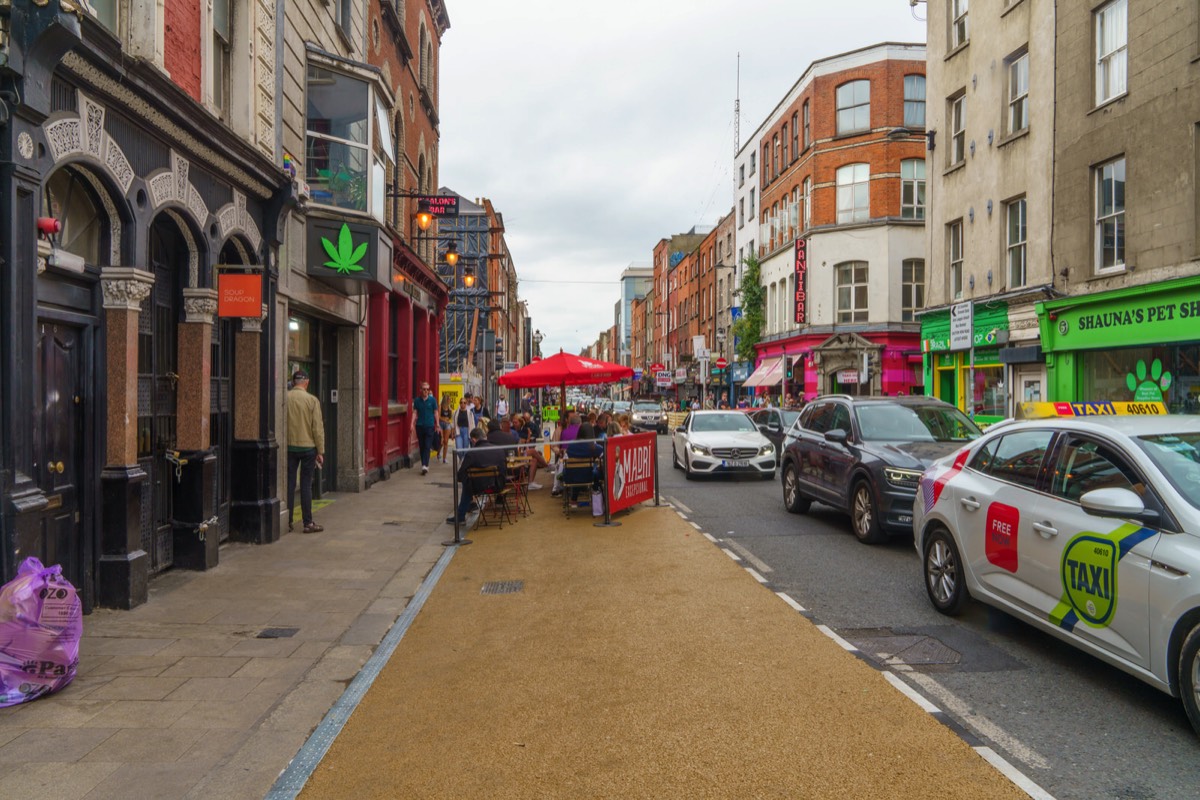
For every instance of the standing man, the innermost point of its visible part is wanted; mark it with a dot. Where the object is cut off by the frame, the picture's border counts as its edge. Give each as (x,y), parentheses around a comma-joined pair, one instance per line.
(305,445)
(501,407)
(425,423)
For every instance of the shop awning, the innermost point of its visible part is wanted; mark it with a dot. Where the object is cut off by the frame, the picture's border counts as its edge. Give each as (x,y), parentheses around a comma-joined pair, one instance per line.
(767,374)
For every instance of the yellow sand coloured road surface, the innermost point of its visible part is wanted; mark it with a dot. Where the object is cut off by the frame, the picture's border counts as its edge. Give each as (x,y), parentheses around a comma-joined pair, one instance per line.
(638,661)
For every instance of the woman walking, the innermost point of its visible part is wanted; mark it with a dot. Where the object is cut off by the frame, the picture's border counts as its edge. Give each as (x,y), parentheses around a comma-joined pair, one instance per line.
(446,424)
(464,421)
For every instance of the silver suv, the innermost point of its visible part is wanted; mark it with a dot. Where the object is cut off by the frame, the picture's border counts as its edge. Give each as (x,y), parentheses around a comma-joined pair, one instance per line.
(648,415)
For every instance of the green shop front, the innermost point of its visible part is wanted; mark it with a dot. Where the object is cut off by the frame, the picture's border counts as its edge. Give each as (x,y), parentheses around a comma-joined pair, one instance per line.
(948,372)
(1139,343)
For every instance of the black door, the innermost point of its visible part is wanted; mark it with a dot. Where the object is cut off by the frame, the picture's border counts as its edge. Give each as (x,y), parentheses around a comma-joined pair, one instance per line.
(220,424)
(157,380)
(59,378)
(326,385)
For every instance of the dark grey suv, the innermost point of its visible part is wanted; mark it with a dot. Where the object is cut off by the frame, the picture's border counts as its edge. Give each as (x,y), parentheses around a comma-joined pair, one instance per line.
(866,455)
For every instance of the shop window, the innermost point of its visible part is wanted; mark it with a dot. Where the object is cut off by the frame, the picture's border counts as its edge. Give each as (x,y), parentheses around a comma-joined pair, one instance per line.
(348,148)
(954,246)
(852,291)
(1112,39)
(912,288)
(914,101)
(70,199)
(912,188)
(853,107)
(989,391)
(393,345)
(1018,93)
(1110,216)
(853,193)
(1015,244)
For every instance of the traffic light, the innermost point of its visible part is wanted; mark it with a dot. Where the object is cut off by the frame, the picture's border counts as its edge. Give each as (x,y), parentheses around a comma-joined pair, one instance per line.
(788,361)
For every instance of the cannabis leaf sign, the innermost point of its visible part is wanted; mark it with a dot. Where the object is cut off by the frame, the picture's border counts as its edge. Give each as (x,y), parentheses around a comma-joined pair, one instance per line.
(345,257)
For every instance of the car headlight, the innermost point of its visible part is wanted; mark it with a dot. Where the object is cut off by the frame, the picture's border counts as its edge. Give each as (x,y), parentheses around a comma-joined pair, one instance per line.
(767,449)
(903,478)
(699,449)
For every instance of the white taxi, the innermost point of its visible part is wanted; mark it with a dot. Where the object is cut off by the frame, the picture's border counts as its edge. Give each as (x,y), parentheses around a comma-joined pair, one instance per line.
(1084,522)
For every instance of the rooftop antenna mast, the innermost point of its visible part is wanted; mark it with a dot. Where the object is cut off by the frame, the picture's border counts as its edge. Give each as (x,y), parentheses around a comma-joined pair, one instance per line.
(737,108)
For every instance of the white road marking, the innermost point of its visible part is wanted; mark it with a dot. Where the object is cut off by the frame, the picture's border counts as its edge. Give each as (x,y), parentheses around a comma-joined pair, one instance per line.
(791,602)
(731,554)
(710,537)
(980,723)
(681,515)
(1013,774)
(842,643)
(910,693)
(760,565)
(675,502)
(697,527)
(756,576)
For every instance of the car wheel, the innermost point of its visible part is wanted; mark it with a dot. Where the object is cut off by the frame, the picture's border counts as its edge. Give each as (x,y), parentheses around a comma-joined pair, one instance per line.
(1189,677)
(795,502)
(944,574)
(674,457)
(769,476)
(863,518)
(687,467)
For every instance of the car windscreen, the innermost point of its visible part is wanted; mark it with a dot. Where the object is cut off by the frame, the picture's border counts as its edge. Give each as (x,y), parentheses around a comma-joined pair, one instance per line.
(789,418)
(704,423)
(647,407)
(1177,456)
(893,422)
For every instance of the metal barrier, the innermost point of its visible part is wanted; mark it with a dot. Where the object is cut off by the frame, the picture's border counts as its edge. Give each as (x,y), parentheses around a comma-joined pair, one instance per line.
(457,455)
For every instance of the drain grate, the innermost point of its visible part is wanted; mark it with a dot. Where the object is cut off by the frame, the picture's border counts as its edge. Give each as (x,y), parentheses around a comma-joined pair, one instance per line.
(502,587)
(277,633)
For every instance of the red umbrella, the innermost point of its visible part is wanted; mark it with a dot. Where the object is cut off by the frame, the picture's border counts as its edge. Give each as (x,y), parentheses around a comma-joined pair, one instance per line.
(564,369)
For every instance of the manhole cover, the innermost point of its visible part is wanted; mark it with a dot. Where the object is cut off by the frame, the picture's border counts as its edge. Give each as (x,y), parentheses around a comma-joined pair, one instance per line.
(928,651)
(502,587)
(917,650)
(277,633)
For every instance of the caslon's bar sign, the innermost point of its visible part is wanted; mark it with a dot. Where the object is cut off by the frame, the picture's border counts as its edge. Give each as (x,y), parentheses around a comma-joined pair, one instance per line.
(440,205)
(801,272)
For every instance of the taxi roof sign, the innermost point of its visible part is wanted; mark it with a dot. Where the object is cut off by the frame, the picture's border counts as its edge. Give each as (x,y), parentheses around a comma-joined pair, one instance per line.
(1094,408)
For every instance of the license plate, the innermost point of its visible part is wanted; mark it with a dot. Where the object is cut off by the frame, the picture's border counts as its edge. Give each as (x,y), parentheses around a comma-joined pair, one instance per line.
(741,462)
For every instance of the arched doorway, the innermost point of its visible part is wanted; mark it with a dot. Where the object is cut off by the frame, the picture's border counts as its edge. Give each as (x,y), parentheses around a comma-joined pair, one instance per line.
(66,400)
(158,382)
(224,355)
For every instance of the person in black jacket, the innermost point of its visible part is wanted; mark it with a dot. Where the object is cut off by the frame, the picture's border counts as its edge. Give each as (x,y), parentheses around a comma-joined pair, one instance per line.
(481,454)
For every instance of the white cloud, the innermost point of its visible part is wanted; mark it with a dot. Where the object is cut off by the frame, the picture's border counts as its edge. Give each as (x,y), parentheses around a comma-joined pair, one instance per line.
(599,129)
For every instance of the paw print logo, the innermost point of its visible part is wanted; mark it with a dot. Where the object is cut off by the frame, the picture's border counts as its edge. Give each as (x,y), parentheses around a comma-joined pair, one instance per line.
(1148,388)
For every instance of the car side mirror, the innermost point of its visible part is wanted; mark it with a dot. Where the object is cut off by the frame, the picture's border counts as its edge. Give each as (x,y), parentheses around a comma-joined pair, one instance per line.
(837,436)
(1115,502)
(762,428)
(681,429)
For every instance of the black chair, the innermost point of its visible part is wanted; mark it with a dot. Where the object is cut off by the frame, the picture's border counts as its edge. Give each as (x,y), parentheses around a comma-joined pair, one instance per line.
(490,491)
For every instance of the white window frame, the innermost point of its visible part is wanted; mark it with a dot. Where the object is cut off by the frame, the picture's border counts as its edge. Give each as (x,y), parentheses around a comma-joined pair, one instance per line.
(1015,257)
(959,33)
(852,104)
(857,286)
(221,61)
(107,13)
(1112,57)
(1116,216)
(958,128)
(807,127)
(1018,92)
(912,184)
(913,101)
(955,251)
(807,203)
(850,180)
(910,287)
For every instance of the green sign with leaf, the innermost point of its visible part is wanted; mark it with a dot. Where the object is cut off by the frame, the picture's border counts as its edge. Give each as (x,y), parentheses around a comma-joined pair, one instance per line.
(345,257)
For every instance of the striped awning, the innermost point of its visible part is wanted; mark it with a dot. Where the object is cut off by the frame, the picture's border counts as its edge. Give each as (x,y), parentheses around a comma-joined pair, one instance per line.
(768,373)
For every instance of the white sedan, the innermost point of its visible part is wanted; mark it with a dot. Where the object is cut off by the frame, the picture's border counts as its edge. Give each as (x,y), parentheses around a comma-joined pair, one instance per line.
(1085,527)
(714,442)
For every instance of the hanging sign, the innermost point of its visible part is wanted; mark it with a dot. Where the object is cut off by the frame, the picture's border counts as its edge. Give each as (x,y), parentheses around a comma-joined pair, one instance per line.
(847,376)
(239,294)
(801,269)
(662,377)
(440,205)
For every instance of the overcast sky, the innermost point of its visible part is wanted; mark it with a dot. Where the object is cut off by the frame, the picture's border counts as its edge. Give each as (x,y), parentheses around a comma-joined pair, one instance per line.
(598,129)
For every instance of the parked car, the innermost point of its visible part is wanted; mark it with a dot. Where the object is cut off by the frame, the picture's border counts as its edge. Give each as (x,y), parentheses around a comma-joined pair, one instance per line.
(774,424)
(866,454)
(648,415)
(714,442)
(1086,527)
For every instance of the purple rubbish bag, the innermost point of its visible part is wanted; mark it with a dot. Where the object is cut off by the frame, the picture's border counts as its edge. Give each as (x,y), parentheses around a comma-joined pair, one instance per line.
(41,622)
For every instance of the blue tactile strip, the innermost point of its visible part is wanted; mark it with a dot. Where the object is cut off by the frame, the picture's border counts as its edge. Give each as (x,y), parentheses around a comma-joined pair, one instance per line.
(292,780)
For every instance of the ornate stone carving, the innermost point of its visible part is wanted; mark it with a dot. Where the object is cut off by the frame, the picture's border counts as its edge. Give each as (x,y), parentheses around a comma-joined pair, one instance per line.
(254,324)
(234,218)
(92,133)
(193,251)
(199,305)
(63,137)
(114,219)
(25,145)
(85,135)
(125,287)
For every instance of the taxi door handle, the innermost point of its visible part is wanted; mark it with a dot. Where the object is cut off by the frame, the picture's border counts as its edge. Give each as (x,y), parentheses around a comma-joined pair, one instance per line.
(970,503)
(1045,529)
